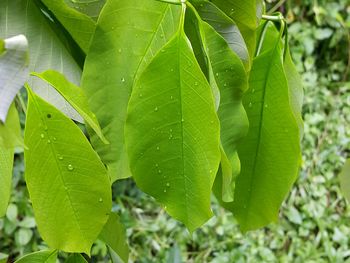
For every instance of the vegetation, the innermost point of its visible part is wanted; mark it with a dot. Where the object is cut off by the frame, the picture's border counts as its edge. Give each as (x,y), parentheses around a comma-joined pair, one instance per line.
(313,225)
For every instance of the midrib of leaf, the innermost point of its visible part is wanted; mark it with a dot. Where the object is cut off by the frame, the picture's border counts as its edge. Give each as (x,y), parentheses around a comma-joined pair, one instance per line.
(59,168)
(260,127)
(180,33)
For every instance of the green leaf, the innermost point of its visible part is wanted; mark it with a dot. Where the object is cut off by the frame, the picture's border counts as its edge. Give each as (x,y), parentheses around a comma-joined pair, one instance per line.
(225,26)
(46,50)
(296,92)
(247,16)
(74,95)
(47,256)
(270,155)
(13,71)
(80,26)
(67,182)
(127,36)
(92,8)
(172,133)
(114,235)
(344,178)
(229,76)
(76,258)
(9,138)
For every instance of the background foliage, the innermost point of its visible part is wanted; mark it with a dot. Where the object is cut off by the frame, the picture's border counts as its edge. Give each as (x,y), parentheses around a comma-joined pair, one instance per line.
(315,219)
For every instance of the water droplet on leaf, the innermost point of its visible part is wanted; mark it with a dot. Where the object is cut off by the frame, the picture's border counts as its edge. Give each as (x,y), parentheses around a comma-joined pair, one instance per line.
(70,167)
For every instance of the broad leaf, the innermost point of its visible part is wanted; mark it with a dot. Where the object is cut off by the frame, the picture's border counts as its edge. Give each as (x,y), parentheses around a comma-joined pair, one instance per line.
(229,76)
(172,133)
(92,8)
(225,26)
(114,236)
(246,14)
(75,96)
(45,49)
(270,155)
(76,258)
(344,178)
(13,71)
(9,134)
(80,26)
(48,256)
(128,34)
(67,182)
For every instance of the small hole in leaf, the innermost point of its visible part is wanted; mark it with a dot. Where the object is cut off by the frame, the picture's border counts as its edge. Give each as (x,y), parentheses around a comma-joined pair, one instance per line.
(49,116)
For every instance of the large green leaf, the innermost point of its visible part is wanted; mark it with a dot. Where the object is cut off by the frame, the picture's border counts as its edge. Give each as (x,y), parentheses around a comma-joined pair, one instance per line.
(13,71)
(270,154)
(67,182)
(172,133)
(80,26)
(128,34)
(9,132)
(114,235)
(231,79)
(225,26)
(47,256)
(45,49)
(345,180)
(246,14)
(75,96)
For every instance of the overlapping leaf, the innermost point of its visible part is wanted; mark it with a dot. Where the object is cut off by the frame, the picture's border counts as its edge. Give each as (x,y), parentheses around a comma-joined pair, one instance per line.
(46,50)
(114,236)
(74,96)
(172,133)
(87,7)
(225,26)
(80,26)
(128,35)
(9,138)
(229,75)
(270,154)
(67,182)
(246,14)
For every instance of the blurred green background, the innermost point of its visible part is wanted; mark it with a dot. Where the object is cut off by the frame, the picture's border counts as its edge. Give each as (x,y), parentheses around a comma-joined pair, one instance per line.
(314,221)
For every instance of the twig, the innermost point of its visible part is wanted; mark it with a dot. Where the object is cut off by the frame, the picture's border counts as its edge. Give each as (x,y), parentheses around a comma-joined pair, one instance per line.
(278,5)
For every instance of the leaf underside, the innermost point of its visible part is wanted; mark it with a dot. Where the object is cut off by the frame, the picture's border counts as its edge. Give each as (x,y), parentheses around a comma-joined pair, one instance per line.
(67,182)
(172,134)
